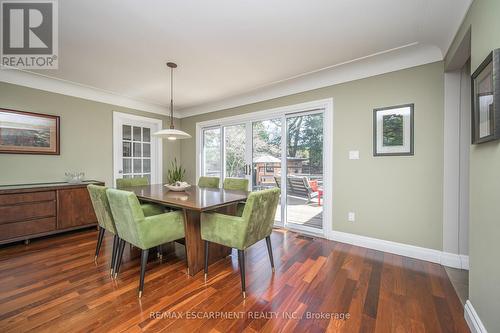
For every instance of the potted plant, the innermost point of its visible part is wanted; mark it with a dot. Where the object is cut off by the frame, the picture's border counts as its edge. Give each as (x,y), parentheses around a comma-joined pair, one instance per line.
(175,177)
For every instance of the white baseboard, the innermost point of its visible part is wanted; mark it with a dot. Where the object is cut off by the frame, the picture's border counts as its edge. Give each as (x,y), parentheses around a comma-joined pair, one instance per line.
(417,252)
(464,260)
(472,319)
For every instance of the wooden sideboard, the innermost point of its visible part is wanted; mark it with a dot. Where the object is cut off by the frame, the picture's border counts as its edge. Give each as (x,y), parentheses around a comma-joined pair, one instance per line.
(34,210)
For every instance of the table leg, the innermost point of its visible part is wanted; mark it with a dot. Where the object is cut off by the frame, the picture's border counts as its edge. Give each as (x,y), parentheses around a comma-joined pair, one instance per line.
(194,244)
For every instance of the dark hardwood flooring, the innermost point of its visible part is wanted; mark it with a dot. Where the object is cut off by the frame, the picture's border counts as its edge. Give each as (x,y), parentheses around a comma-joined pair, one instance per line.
(53,285)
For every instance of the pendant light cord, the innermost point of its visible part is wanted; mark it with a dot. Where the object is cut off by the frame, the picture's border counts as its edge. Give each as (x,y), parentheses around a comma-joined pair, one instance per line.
(171,98)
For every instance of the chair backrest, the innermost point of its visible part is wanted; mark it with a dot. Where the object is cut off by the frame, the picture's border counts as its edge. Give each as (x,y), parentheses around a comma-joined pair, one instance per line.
(212,182)
(127,214)
(129,182)
(101,207)
(298,186)
(259,213)
(238,184)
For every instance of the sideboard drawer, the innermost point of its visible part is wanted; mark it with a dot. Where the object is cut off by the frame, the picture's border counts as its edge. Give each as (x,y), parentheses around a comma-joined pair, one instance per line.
(20,229)
(18,198)
(27,211)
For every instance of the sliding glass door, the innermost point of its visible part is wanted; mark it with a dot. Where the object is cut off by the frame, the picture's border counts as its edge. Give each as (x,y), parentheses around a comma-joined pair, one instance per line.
(304,171)
(284,151)
(266,157)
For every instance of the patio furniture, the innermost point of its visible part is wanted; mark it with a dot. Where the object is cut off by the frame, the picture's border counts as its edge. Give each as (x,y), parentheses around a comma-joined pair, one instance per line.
(298,186)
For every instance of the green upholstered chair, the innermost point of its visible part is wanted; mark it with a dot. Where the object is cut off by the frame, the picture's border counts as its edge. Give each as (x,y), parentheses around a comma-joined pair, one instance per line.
(149,209)
(237,184)
(240,232)
(143,232)
(129,182)
(105,218)
(211,182)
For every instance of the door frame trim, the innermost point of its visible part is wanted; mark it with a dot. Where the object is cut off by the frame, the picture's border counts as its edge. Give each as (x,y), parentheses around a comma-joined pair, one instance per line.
(324,104)
(118,118)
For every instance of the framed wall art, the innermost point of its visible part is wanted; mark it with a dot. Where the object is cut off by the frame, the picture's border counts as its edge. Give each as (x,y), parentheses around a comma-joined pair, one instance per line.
(28,133)
(393,130)
(486,100)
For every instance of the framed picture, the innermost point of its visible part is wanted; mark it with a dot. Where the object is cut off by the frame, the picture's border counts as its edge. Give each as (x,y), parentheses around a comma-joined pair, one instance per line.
(393,130)
(28,133)
(486,99)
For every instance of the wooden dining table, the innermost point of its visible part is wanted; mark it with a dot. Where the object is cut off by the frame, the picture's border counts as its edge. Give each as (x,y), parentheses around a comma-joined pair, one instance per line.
(193,202)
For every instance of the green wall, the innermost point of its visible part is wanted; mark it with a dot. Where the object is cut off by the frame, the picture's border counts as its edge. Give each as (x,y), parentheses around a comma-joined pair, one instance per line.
(483,19)
(86,138)
(395,198)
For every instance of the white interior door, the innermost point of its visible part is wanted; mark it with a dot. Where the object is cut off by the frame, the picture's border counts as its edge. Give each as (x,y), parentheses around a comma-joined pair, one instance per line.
(137,153)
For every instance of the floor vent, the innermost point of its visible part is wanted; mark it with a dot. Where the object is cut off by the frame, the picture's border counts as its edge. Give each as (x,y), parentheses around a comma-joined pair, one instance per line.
(309,238)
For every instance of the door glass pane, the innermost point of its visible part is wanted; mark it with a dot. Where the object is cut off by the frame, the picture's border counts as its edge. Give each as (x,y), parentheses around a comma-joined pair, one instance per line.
(304,150)
(234,144)
(211,152)
(137,165)
(146,134)
(146,165)
(127,132)
(137,149)
(146,150)
(127,165)
(137,133)
(266,157)
(127,149)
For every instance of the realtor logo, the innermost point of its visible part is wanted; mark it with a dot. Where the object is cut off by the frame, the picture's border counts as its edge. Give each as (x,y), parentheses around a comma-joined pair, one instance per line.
(29,34)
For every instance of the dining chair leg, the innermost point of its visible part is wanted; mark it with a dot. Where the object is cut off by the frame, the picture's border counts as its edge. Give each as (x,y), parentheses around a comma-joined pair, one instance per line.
(270,251)
(99,242)
(113,253)
(144,262)
(241,262)
(119,257)
(206,260)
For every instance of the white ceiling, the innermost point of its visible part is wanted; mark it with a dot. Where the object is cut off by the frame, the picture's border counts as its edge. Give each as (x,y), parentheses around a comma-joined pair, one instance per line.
(225,48)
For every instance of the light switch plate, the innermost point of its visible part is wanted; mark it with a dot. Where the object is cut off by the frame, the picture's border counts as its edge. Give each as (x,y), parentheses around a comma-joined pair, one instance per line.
(354,154)
(351,216)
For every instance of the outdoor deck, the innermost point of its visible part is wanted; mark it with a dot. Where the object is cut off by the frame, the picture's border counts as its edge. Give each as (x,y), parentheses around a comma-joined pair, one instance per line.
(302,213)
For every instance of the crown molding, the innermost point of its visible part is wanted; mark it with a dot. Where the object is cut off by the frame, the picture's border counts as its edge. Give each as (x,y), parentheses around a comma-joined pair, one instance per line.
(403,57)
(46,83)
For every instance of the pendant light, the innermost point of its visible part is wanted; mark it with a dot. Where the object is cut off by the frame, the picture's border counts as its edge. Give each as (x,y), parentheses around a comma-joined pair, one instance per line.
(171,133)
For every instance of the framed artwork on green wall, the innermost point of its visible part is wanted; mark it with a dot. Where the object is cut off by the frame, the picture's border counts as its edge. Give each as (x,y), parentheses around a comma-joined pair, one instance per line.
(28,133)
(393,130)
(486,99)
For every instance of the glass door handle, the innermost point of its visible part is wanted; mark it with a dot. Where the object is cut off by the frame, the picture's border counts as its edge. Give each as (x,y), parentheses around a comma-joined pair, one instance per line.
(120,171)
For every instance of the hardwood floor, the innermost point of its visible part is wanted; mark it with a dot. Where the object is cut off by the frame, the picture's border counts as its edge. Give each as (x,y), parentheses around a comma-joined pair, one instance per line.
(53,285)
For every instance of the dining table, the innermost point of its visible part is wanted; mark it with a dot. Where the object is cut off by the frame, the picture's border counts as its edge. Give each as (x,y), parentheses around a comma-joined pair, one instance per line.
(193,202)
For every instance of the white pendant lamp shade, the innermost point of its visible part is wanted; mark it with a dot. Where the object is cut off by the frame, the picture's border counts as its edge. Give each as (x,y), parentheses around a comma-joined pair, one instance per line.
(171,133)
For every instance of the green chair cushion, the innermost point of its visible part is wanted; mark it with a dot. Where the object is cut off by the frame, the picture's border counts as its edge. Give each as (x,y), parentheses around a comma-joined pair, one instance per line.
(237,184)
(101,207)
(141,231)
(129,182)
(211,182)
(255,223)
(152,209)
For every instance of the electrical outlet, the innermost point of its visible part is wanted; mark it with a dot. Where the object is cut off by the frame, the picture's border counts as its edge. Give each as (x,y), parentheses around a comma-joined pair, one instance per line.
(351,217)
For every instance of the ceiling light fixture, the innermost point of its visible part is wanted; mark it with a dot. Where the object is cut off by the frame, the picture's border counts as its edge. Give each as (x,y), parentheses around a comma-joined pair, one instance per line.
(171,133)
